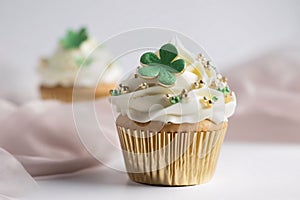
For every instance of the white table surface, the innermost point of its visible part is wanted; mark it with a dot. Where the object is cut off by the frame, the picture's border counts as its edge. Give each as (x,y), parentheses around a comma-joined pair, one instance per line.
(245,171)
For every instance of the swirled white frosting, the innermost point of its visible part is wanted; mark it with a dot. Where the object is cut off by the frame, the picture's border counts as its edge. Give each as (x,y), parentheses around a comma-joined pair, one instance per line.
(62,69)
(151,104)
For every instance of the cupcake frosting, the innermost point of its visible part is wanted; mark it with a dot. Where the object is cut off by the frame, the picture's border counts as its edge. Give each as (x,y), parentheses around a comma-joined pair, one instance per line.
(74,53)
(187,89)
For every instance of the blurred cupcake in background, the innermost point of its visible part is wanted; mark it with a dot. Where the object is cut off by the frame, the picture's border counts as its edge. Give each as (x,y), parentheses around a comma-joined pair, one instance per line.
(59,72)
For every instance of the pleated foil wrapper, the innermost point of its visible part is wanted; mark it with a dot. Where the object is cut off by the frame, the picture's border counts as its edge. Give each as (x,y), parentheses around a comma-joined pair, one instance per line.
(57,93)
(171,158)
(65,94)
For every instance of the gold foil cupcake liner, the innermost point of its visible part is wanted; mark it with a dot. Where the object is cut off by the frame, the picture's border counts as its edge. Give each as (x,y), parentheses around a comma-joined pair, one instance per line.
(171,158)
(57,93)
(65,94)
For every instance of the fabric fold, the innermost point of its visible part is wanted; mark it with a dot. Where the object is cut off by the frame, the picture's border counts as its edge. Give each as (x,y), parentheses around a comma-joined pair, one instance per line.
(15,181)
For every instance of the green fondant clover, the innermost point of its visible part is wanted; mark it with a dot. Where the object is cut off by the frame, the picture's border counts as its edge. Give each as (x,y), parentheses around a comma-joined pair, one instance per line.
(164,67)
(74,39)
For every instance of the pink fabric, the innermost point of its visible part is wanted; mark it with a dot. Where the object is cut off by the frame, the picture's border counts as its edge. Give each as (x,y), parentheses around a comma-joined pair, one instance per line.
(43,137)
(268,94)
(14,180)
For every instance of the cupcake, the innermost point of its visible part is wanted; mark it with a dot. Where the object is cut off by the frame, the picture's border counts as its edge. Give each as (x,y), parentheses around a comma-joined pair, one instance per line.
(77,52)
(173,117)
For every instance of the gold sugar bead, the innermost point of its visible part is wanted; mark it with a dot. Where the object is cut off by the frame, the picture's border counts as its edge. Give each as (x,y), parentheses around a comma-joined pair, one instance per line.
(199,84)
(207,64)
(206,102)
(184,91)
(123,89)
(200,56)
(213,85)
(224,79)
(228,97)
(184,94)
(143,86)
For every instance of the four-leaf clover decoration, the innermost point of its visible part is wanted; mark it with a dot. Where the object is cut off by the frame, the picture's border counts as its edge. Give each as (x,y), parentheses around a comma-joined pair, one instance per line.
(74,39)
(164,67)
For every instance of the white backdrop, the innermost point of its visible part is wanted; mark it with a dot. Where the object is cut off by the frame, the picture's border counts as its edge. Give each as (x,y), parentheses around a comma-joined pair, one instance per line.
(232,31)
